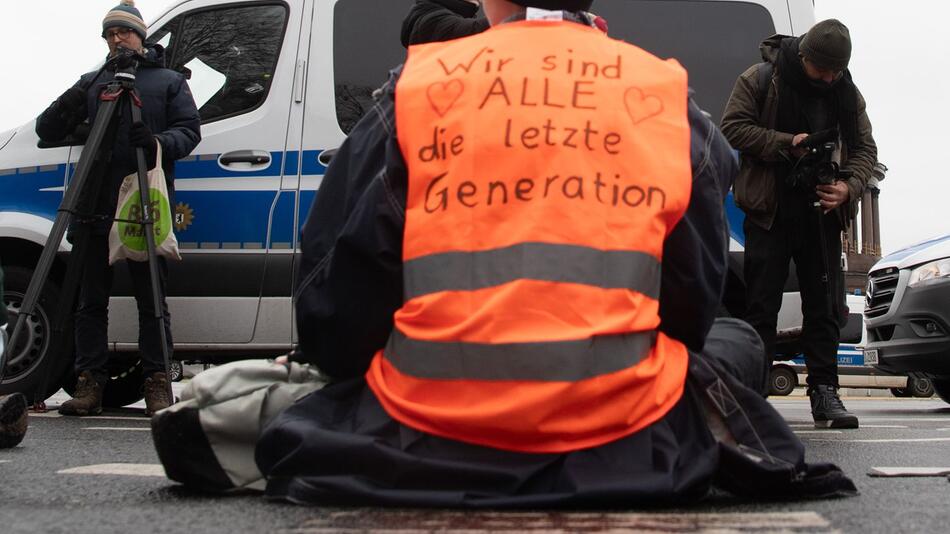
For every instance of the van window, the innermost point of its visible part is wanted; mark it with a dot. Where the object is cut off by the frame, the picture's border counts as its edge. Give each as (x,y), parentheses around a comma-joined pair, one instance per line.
(715,41)
(230,52)
(366,46)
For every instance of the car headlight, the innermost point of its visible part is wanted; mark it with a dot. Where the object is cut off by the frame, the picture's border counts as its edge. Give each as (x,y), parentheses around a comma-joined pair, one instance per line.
(929,272)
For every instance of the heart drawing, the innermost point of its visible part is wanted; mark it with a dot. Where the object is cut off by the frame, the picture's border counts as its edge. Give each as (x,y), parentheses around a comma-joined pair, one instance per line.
(641,106)
(443,95)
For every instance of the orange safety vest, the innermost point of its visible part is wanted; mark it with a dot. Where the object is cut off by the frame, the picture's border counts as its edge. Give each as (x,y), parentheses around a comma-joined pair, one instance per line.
(547,164)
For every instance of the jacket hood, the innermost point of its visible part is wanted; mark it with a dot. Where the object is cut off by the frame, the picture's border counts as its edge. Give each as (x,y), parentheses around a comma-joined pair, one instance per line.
(770,47)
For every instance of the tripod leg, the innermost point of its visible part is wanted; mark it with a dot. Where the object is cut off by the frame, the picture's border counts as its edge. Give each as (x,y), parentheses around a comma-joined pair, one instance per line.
(64,215)
(148,229)
(59,342)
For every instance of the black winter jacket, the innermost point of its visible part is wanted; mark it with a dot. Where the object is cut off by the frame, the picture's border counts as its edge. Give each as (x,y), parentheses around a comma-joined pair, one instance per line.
(440,20)
(168,109)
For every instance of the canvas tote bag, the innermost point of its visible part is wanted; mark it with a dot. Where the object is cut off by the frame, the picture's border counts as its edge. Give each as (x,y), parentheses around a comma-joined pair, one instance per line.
(127,238)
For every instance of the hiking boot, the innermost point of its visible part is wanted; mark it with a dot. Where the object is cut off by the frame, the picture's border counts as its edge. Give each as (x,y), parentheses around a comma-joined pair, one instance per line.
(156,393)
(827,409)
(87,400)
(12,419)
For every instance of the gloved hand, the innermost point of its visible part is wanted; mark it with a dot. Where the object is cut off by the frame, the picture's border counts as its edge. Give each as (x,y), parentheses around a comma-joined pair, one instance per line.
(141,136)
(72,100)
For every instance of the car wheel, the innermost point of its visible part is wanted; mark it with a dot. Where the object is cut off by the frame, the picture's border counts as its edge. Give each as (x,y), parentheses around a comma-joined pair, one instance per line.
(32,356)
(176,371)
(920,387)
(942,388)
(782,381)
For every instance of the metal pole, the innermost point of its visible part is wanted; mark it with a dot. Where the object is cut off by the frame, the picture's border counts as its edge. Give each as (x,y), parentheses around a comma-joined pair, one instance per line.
(876,220)
(867,228)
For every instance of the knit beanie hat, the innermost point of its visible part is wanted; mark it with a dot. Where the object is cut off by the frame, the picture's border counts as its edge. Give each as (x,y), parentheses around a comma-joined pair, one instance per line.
(827,44)
(124,15)
(566,5)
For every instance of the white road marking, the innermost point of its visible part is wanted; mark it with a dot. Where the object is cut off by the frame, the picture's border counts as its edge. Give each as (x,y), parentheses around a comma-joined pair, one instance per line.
(817,431)
(805,425)
(120,428)
(4,461)
(909,471)
(54,415)
(894,440)
(934,419)
(135,470)
(495,522)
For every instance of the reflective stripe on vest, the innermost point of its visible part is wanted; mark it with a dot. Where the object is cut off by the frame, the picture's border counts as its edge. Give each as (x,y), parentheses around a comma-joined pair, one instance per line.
(547,164)
(460,271)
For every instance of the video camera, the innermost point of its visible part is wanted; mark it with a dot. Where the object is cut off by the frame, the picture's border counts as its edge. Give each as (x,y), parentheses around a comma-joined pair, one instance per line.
(124,60)
(817,167)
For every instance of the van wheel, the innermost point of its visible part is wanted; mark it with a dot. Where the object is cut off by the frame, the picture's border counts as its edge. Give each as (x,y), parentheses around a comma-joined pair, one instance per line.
(30,358)
(921,387)
(782,381)
(942,388)
(125,381)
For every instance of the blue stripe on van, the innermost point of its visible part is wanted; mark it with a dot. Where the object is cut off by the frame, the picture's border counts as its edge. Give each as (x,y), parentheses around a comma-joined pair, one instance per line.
(735,218)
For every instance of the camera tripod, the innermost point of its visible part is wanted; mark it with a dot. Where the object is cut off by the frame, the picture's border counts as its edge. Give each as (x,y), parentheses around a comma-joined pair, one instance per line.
(79,200)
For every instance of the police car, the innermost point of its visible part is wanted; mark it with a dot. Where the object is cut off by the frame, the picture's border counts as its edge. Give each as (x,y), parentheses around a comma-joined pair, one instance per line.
(908,313)
(279,84)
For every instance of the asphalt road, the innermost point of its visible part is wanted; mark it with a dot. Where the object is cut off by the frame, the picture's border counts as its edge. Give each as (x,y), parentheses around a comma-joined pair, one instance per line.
(101,475)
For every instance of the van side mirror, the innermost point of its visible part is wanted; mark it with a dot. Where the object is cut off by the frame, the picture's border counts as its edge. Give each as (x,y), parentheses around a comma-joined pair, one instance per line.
(326,156)
(77,138)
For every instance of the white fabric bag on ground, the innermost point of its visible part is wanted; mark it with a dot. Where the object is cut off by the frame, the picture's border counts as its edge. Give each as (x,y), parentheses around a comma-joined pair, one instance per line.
(126,239)
(207,439)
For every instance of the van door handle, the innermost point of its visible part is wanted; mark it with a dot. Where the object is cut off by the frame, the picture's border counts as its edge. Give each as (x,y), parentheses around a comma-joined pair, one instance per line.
(254,157)
(326,156)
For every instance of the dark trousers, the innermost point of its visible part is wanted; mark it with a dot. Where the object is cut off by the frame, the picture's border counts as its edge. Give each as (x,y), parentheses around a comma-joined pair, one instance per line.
(92,315)
(767,255)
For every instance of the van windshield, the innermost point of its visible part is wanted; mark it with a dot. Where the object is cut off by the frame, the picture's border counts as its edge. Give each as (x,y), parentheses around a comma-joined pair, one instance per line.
(715,41)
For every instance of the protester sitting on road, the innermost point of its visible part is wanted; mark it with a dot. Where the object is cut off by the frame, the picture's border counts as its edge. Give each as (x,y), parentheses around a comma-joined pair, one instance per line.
(515,293)
(170,118)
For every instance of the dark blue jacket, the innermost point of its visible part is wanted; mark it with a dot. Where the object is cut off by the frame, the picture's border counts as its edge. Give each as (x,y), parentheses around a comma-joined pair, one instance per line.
(168,109)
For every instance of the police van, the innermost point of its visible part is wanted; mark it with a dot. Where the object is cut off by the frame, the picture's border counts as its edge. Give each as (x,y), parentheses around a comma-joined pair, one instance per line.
(278,85)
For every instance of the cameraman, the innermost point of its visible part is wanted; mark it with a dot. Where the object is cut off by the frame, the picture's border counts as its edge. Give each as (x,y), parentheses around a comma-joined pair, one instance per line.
(170,117)
(803,88)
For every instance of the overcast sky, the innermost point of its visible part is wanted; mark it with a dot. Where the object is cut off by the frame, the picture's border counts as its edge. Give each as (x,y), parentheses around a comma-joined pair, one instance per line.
(898,66)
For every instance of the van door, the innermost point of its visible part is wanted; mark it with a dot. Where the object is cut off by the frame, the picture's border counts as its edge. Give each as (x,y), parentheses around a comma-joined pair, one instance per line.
(240,57)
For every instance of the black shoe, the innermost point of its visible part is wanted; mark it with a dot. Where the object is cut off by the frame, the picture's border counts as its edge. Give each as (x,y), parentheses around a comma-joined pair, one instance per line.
(13,421)
(827,409)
